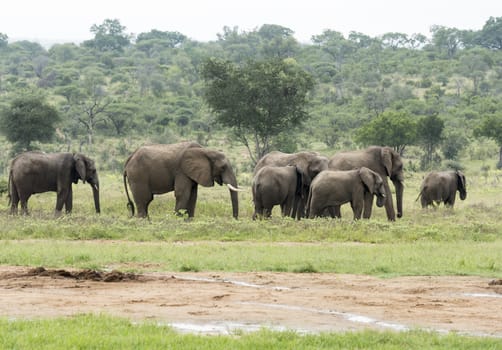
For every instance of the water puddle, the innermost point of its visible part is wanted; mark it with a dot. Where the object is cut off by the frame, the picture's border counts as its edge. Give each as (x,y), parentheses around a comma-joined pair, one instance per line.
(347,316)
(482,295)
(236,283)
(228,328)
(224,328)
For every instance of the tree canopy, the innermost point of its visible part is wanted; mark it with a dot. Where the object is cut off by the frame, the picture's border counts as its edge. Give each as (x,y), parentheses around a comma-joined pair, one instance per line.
(29,118)
(257,100)
(491,127)
(396,129)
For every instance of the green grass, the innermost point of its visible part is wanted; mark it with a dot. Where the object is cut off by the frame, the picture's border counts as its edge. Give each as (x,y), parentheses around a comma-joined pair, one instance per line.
(103,332)
(463,241)
(384,260)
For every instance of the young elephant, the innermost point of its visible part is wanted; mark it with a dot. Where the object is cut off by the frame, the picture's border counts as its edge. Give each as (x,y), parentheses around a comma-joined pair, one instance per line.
(274,185)
(37,172)
(332,187)
(442,186)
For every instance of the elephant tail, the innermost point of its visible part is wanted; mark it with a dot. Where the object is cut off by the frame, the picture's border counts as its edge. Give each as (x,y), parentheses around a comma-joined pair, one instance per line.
(130,205)
(9,188)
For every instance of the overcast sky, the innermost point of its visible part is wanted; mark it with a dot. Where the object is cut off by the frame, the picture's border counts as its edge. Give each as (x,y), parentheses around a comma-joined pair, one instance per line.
(202,20)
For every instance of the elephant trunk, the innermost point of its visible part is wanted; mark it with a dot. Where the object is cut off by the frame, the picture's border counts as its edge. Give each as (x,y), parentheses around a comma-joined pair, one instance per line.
(380,200)
(235,203)
(463,194)
(95,193)
(398,185)
(231,181)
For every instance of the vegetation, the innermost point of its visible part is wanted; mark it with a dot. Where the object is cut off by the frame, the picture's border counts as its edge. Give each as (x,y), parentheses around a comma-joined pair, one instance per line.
(259,100)
(103,332)
(436,100)
(160,87)
(28,119)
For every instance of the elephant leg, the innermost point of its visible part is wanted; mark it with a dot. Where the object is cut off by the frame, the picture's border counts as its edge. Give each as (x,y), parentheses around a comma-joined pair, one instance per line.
(450,202)
(69,202)
(357,208)
(142,196)
(14,202)
(335,211)
(185,191)
(258,211)
(301,208)
(368,205)
(295,212)
(267,212)
(62,196)
(288,207)
(192,201)
(24,204)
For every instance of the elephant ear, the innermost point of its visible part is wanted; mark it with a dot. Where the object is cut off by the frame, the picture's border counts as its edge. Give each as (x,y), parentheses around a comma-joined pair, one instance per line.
(460,180)
(367,178)
(80,167)
(387,160)
(302,167)
(196,164)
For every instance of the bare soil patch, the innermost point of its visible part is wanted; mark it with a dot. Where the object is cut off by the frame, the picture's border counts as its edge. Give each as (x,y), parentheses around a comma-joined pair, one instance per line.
(219,302)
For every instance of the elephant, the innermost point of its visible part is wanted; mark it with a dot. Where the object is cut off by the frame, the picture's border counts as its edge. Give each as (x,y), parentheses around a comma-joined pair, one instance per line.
(337,187)
(308,163)
(442,186)
(37,172)
(385,162)
(274,185)
(161,168)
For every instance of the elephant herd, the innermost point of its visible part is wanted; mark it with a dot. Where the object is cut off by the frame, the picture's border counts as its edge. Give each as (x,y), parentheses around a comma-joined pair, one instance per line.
(303,184)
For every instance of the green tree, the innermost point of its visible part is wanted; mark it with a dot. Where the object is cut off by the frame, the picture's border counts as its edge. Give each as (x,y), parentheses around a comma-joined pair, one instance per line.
(28,118)
(258,100)
(491,34)
(87,101)
(277,41)
(491,127)
(396,129)
(446,40)
(109,36)
(474,64)
(429,134)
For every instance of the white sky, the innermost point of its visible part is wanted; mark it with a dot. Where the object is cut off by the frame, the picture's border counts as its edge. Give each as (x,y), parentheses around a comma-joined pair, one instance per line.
(67,20)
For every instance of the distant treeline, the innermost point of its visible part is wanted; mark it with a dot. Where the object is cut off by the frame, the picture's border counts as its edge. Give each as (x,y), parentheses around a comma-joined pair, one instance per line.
(150,86)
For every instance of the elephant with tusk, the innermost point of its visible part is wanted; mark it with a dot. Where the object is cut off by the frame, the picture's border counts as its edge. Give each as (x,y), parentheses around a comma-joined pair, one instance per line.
(181,167)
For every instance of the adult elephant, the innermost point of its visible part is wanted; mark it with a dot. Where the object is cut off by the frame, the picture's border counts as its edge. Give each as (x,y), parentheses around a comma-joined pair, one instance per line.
(385,162)
(308,163)
(332,187)
(37,172)
(274,185)
(442,186)
(181,167)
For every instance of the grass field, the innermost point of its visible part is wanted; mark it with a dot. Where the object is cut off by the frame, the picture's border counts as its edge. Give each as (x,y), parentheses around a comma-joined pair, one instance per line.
(466,240)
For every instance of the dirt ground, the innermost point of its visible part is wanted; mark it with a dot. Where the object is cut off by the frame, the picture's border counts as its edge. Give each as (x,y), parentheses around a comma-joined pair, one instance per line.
(223,302)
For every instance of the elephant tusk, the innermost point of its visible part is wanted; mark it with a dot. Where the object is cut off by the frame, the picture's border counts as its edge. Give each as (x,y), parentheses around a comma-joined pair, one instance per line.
(235,189)
(96,187)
